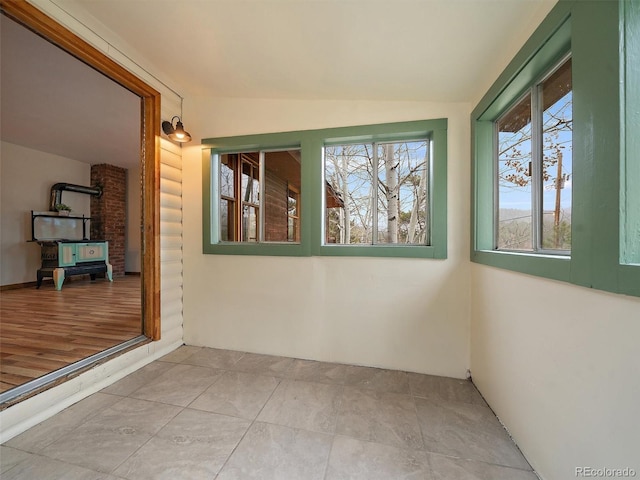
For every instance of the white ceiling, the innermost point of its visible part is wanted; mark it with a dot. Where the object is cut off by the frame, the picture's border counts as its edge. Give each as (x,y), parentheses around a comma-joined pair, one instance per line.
(54,103)
(413,50)
(434,50)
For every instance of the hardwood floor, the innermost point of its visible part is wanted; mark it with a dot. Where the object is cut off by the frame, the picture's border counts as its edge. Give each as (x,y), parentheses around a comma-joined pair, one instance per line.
(44,330)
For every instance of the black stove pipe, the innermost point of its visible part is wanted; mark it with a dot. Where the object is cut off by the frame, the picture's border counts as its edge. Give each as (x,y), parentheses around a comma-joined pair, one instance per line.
(58,188)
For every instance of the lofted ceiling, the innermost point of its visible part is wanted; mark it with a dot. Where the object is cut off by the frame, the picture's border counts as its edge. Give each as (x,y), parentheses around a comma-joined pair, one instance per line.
(431,50)
(56,104)
(396,50)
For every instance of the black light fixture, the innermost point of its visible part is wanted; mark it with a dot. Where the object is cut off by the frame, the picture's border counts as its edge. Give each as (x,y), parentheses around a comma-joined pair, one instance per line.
(176,134)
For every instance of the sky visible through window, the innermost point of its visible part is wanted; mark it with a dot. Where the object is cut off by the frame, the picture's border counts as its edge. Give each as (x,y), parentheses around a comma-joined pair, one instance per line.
(520,198)
(542,156)
(387,182)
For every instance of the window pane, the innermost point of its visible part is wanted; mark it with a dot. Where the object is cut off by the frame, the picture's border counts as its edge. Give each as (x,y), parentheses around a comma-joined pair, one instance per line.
(387,225)
(293,213)
(349,192)
(250,191)
(282,172)
(227,179)
(227,224)
(557,159)
(292,229)
(292,204)
(514,230)
(402,192)
(249,223)
(250,178)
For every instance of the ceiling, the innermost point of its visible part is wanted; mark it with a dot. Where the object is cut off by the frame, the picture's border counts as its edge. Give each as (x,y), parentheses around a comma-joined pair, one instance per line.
(396,50)
(432,50)
(54,103)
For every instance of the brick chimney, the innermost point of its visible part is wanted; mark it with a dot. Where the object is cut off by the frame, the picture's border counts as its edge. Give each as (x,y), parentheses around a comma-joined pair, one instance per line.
(109,212)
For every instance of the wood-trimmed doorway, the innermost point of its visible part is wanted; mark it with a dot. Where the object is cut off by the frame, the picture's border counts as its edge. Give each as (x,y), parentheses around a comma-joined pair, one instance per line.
(36,21)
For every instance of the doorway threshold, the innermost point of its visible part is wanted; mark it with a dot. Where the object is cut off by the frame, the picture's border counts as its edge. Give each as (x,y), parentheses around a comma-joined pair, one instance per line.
(40,384)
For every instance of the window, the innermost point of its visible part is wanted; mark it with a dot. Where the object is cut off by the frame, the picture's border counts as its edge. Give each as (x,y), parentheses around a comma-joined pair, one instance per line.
(369,190)
(534,164)
(378,193)
(573,214)
(259,207)
(518,129)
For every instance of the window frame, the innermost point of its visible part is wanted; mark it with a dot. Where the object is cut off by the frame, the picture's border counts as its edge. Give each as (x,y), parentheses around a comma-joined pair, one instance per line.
(375,182)
(294,193)
(594,32)
(255,168)
(629,269)
(233,200)
(534,92)
(526,69)
(258,170)
(311,199)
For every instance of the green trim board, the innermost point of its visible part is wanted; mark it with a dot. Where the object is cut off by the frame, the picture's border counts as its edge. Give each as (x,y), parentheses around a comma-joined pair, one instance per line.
(592,32)
(548,266)
(508,81)
(629,270)
(630,280)
(311,143)
(630,171)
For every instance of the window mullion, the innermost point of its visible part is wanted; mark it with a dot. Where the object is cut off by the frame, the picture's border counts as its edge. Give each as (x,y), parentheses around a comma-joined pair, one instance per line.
(374,197)
(496,186)
(536,168)
(429,198)
(261,199)
(216,206)
(238,203)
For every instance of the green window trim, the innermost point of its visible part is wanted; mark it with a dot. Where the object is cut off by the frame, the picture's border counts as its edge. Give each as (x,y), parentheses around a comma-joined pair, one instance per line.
(311,143)
(592,31)
(630,173)
(540,54)
(630,168)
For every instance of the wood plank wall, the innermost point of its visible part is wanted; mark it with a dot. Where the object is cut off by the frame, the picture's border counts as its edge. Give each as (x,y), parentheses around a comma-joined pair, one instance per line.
(171,240)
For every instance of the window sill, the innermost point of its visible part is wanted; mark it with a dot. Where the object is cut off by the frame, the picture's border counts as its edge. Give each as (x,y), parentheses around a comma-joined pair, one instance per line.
(555,267)
(266,249)
(525,253)
(393,251)
(301,250)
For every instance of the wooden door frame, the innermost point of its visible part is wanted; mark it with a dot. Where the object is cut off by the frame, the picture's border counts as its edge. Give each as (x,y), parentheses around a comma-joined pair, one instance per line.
(44,26)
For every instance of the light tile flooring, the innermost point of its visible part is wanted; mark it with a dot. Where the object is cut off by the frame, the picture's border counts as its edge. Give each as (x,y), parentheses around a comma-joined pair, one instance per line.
(202,413)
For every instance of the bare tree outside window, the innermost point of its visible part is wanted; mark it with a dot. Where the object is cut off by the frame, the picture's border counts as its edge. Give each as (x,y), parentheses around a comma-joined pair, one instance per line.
(384,189)
(534,167)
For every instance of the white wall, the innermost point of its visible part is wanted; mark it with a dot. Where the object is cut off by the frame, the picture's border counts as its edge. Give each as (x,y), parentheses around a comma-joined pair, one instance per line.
(560,366)
(26,179)
(410,314)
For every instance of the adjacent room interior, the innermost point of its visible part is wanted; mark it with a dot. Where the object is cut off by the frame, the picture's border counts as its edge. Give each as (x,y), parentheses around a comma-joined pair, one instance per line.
(70,138)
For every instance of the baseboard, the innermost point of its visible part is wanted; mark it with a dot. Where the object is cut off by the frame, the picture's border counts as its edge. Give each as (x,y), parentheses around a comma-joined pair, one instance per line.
(17,286)
(135,274)
(46,281)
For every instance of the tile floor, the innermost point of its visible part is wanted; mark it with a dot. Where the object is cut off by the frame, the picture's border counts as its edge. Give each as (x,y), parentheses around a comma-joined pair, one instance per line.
(202,413)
